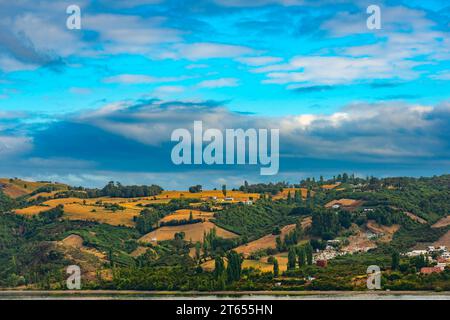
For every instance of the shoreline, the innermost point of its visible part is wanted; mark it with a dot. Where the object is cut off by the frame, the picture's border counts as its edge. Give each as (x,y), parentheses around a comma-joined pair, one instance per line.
(217,295)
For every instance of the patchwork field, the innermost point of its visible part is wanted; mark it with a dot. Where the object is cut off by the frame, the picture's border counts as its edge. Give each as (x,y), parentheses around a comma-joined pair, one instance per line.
(192,232)
(331,186)
(184,214)
(284,194)
(444,240)
(207,194)
(416,218)
(261,264)
(79,209)
(385,232)
(17,187)
(344,203)
(442,223)
(268,241)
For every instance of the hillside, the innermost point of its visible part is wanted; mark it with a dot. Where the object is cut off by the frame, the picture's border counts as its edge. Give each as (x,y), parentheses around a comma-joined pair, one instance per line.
(47,226)
(15,188)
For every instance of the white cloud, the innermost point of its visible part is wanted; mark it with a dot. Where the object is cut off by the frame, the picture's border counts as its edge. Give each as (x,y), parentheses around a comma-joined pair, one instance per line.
(140,79)
(206,50)
(14,145)
(258,3)
(219,83)
(373,132)
(118,32)
(259,61)
(334,70)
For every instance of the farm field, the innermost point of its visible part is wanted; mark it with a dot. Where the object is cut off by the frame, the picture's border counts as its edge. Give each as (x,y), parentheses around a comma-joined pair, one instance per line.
(75,209)
(17,187)
(236,195)
(442,223)
(330,186)
(268,241)
(184,214)
(192,232)
(284,194)
(416,218)
(444,240)
(344,203)
(260,264)
(386,232)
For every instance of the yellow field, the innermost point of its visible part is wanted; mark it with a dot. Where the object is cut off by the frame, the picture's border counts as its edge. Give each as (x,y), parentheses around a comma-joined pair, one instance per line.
(43,195)
(268,241)
(17,187)
(32,210)
(207,194)
(343,202)
(261,264)
(102,215)
(185,213)
(330,186)
(75,209)
(284,194)
(192,232)
(282,259)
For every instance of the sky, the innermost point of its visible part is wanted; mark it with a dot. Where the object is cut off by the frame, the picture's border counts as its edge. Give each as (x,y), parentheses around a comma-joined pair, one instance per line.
(100,103)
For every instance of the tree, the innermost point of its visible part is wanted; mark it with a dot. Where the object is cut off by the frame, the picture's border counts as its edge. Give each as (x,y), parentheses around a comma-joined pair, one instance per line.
(395,260)
(219,267)
(234,267)
(301,257)
(291,259)
(279,244)
(298,197)
(191,217)
(289,197)
(309,254)
(195,189)
(198,255)
(276,268)
(224,190)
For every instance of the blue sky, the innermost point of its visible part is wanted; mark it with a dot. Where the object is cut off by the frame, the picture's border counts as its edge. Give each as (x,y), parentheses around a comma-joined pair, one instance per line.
(87,106)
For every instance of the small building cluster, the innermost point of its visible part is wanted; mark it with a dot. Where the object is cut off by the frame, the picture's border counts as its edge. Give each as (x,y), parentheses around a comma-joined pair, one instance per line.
(439,257)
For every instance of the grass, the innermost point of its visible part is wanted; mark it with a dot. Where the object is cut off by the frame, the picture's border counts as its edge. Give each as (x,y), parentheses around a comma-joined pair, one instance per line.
(184,214)
(17,187)
(266,242)
(87,210)
(192,232)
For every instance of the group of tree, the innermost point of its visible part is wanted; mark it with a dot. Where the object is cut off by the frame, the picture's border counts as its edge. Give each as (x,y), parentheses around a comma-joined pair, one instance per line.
(271,188)
(327,223)
(233,270)
(195,189)
(300,255)
(117,190)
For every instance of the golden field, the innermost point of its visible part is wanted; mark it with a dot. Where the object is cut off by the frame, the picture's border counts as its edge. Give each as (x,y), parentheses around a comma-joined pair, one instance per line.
(184,214)
(78,209)
(266,242)
(284,194)
(344,203)
(331,186)
(207,194)
(192,232)
(260,264)
(93,210)
(17,187)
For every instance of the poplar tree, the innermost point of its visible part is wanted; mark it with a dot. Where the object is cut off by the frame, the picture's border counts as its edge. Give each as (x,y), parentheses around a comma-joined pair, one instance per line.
(291,258)
(276,268)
